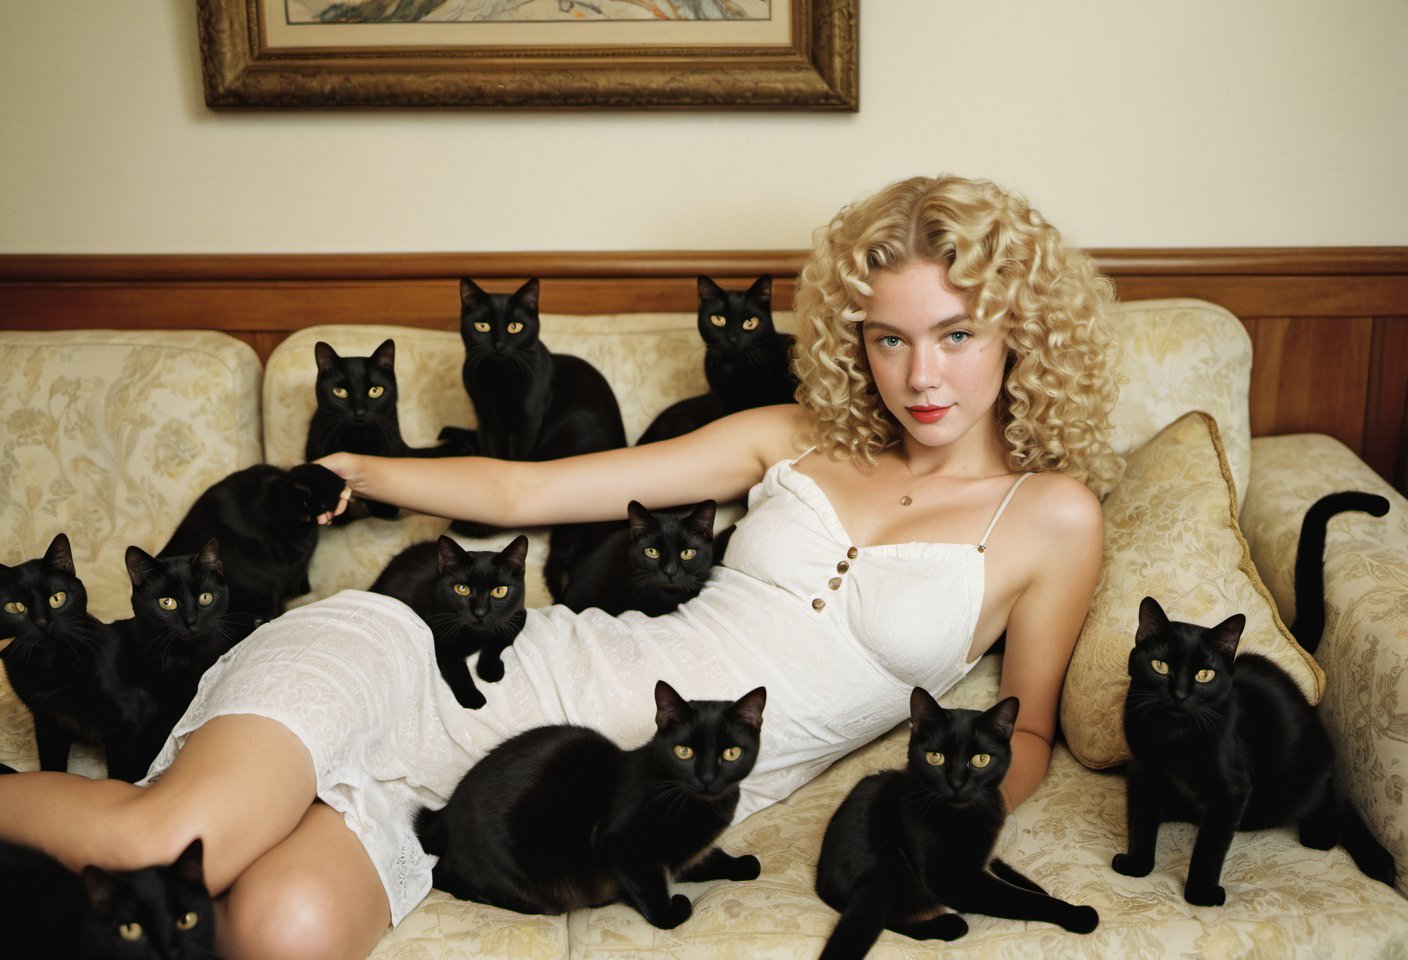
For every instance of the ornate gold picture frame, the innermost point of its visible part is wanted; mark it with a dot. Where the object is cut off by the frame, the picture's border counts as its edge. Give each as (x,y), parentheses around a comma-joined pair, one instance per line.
(802,55)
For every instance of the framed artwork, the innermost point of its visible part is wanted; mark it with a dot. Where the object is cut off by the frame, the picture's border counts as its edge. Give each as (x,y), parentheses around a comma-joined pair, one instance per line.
(710,54)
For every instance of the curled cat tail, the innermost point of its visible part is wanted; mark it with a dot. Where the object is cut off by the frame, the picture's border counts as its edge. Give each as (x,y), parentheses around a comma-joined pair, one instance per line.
(429,829)
(1310,560)
(862,920)
(1364,849)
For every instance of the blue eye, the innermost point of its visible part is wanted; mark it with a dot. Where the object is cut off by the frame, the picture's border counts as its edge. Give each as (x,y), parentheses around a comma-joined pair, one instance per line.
(888,341)
(958,336)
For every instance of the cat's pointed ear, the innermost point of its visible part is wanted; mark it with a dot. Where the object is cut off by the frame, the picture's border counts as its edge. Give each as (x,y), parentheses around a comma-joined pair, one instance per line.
(639,518)
(140,565)
(209,558)
(100,886)
(670,707)
(749,708)
(324,354)
(709,290)
(516,553)
(1152,620)
(59,556)
(385,355)
(762,288)
(1227,634)
(447,553)
(470,292)
(1003,716)
(190,865)
(923,708)
(526,296)
(701,518)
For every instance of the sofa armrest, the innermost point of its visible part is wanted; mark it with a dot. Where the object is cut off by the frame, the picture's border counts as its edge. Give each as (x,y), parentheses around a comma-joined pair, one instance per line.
(1364,649)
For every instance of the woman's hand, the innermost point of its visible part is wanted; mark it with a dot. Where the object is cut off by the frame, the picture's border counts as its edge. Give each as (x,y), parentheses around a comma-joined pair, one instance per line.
(345,465)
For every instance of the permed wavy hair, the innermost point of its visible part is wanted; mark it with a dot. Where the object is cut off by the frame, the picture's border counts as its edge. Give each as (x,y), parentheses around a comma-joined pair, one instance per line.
(1016,271)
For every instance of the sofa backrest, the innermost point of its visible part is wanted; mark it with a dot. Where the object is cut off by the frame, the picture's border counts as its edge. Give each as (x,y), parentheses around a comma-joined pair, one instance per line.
(109,436)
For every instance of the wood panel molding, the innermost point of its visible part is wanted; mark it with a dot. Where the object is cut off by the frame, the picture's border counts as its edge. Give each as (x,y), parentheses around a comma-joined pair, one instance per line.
(1329,325)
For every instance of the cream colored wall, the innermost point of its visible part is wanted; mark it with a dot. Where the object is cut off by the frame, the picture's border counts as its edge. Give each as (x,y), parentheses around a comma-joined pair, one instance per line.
(1182,122)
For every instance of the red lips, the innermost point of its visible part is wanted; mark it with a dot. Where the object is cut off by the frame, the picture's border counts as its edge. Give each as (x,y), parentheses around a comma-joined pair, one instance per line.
(928,413)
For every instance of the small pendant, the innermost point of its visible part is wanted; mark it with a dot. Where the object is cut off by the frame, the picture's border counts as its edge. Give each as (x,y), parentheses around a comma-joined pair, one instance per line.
(905,500)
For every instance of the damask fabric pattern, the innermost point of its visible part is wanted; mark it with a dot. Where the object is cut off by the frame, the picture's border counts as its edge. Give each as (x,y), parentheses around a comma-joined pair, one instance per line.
(1170,533)
(1364,649)
(109,436)
(1283,899)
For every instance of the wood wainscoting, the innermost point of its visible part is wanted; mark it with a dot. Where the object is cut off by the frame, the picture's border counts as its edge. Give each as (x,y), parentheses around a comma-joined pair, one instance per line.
(1329,326)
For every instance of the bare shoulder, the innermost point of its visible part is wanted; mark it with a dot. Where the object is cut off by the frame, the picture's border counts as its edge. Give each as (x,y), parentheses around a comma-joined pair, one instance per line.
(774,433)
(1055,508)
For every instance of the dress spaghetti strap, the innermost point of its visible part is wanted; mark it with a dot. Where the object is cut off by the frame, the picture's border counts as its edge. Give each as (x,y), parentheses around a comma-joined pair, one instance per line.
(803,455)
(983,543)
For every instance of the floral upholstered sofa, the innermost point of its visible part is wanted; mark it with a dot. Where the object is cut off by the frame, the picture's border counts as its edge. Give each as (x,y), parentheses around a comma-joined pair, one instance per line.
(109,436)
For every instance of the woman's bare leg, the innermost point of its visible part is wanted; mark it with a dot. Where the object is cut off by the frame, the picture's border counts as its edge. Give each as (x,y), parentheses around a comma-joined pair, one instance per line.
(241,783)
(314,896)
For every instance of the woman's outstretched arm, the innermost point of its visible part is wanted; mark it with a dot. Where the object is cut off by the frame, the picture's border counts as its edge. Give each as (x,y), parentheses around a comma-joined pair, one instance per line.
(719,461)
(1065,537)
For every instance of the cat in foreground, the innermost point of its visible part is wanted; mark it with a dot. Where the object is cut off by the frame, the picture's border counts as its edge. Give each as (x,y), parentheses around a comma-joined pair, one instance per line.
(157,913)
(559,817)
(1230,743)
(907,844)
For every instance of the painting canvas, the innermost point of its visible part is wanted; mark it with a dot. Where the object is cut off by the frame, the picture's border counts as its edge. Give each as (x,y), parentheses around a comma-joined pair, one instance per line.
(773,54)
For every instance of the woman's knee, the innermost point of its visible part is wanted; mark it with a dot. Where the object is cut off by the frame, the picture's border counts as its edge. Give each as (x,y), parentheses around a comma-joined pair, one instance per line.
(294,916)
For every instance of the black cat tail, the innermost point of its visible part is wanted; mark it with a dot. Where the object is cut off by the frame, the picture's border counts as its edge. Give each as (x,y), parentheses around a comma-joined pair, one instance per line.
(861,921)
(431,831)
(1368,854)
(1310,560)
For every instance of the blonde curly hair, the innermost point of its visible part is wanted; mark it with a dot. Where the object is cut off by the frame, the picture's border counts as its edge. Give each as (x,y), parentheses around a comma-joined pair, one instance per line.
(1014,269)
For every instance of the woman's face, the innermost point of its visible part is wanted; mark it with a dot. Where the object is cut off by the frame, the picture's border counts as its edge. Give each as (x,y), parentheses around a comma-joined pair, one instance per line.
(937,374)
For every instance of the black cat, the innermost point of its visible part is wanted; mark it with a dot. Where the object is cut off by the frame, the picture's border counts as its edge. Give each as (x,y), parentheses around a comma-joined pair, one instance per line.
(266,520)
(1310,560)
(531,404)
(181,624)
(68,667)
(471,600)
(1228,744)
(560,818)
(907,843)
(356,414)
(746,360)
(158,913)
(656,562)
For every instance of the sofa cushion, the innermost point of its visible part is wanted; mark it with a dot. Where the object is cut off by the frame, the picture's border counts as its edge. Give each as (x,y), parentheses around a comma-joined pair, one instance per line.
(1177,356)
(109,436)
(1364,649)
(1170,533)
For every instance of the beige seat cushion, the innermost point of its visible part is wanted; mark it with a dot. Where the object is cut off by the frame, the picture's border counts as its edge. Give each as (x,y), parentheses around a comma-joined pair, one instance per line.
(109,436)
(1170,533)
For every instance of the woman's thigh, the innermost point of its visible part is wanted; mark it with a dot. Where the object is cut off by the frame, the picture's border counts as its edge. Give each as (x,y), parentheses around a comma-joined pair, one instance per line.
(241,783)
(316,894)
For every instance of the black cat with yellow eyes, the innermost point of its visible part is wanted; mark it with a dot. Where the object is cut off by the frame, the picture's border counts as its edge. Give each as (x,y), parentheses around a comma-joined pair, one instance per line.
(657,561)
(1230,743)
(156,913)
(181,624)
(747,362)
(472,600)
(68,667)
(559,817)
(906,846)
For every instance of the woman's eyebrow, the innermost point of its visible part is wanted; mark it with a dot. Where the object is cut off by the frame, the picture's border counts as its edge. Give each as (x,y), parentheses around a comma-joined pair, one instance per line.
(957,318)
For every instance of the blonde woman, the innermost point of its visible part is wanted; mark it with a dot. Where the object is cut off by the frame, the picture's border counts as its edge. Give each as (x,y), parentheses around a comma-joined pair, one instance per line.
(934,489)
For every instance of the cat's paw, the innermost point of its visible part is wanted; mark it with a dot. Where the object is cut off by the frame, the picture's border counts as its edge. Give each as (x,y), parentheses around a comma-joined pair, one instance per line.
(490,669)
(1129,866)
(317,489)
(949,926)
(679,911)
(470,699)
(1080,919)
(745,867)
(1204,894)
